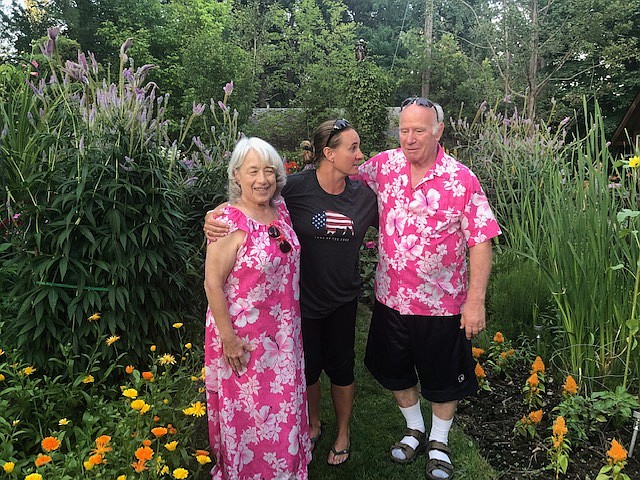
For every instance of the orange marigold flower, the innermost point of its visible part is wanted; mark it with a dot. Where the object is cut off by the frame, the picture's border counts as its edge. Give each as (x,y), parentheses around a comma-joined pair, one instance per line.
(570,386)
(172,430)
(536,417)
(560,427)
(156,418)
(42,460)
(202,452)
(102,445)
(538,366)
(129,369)
(498,337)
(50,444)
(616,453)
(477,352)
(510,353)
(480,371)
(159,431)
(146,442)
(139,466)
(557,441)
(147,375)
(144,453)
(96,459)
(533,381)
(103,440)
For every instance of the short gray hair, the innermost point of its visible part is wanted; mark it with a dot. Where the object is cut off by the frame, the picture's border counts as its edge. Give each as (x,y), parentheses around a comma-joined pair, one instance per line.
(268,155)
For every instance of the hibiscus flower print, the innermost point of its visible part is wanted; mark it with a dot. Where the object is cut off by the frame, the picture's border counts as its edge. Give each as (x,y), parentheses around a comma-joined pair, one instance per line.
(425,204)
(410,247)
(277,350)
(396,220)
(243,311)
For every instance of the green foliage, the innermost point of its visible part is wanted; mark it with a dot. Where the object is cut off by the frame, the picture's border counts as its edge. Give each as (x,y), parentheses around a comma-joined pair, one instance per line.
(366,97)
(282,128)
(368,264)
(110,210)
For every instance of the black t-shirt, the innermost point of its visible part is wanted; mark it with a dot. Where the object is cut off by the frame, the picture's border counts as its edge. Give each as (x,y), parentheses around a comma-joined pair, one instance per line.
(330,229)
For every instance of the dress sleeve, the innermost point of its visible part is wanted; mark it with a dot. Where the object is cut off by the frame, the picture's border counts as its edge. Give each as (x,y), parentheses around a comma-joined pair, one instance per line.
(283,213)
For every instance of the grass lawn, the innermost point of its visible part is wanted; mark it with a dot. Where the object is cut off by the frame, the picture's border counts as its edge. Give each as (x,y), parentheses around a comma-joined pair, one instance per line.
(376,425)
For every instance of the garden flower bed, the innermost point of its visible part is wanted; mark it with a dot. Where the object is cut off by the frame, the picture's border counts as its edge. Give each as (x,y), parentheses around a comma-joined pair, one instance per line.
(489,418)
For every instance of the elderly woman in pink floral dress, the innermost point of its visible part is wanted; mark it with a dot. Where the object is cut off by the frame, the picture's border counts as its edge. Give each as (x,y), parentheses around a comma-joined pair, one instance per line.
(254,367)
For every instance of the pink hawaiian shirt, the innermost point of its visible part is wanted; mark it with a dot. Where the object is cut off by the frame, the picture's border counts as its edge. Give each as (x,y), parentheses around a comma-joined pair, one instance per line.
(425,232)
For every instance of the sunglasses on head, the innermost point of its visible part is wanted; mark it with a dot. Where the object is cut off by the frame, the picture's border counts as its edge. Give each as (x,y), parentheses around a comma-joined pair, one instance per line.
(338,126)
(422,102)
(274,233)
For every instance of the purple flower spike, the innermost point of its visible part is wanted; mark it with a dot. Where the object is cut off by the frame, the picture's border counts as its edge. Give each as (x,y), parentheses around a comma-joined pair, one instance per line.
(47,49)
(564,121)
(126,46)
(228,88)
(198,109)
(52,32)
(222,106)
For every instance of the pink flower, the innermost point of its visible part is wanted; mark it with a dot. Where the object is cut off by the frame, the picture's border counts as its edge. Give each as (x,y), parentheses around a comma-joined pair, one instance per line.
(228,88)
(370,244)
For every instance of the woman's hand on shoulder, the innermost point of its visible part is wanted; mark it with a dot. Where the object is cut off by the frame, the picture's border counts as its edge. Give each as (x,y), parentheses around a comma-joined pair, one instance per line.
(213,228)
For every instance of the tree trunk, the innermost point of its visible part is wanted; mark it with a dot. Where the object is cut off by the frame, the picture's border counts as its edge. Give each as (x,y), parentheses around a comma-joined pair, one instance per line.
(428,42)
(534,57)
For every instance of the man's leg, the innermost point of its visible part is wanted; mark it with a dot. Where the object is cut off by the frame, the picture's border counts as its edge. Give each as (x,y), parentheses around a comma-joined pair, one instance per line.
(342,405)
(441,421)
(409,403)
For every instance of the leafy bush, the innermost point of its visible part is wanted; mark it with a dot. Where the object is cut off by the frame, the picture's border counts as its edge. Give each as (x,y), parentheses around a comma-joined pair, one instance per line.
(108,207)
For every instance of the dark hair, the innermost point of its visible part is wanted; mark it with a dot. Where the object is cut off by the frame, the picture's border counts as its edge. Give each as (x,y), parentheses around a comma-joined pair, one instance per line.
(324,136)
(307,152)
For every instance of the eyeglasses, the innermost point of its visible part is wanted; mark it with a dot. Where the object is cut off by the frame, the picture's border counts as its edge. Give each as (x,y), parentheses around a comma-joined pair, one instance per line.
(284,245)
(423,102)
(339,125)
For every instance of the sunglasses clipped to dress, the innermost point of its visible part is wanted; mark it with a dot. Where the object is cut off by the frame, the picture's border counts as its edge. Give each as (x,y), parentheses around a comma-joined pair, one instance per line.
(339,125)
(274,233)
(422,102)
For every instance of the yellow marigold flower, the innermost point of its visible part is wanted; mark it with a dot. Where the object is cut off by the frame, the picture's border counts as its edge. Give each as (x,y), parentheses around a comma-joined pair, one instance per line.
(147,376)
(159,431)
(94,317)
(144,453)
(97,459)
(570,386)
(536,417)
(2,377)
(538,366)
(63,422)
(188,346)
(177,325)
(42,460)
(164,470)
(138,404)
(129,369)
(477,352)
(122,477)
(28,371)
(167,358)
(203,459)
(145,408)
(8,467)
(480,371)
(533,381)
(1,352)
(153,348)
(112,339)
(15,423)
(130,393)
(195,410)
(498,337)
(171,446)
(49,444)
(560,427)
(616,453)
(88,379)
(194,378)
(634,162)
(33,476)
(180,473)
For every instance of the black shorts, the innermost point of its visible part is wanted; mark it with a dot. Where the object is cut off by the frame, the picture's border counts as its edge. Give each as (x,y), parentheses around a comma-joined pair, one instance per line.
(434,347)
(329,345)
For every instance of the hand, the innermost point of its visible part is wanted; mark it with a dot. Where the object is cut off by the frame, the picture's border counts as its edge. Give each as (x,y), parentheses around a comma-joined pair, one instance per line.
(473,319)
(236,354)
(213,229)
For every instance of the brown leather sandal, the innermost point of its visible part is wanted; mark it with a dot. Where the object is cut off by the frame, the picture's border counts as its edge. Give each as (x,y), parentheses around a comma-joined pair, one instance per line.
(437,464)
(410,454)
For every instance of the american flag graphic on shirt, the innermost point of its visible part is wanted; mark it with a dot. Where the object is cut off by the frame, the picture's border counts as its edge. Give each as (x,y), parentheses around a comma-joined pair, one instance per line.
(332,221)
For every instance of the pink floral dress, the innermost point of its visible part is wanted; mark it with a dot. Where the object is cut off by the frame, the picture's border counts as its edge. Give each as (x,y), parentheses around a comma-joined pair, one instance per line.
(258,424)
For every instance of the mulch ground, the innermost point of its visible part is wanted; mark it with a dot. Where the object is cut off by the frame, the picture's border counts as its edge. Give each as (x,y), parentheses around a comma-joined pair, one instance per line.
(489,419)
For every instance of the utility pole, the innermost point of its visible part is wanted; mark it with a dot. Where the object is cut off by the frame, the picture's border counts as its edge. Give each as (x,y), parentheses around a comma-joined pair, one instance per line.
(428,42)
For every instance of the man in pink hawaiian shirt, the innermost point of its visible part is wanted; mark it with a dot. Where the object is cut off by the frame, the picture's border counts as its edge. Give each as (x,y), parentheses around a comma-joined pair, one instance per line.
(428,306)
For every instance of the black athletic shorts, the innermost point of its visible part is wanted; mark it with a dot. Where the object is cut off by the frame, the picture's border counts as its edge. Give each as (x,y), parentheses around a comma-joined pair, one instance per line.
(403,349)
(329,345)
